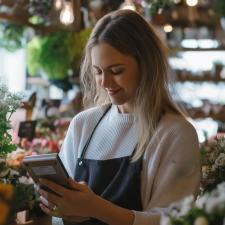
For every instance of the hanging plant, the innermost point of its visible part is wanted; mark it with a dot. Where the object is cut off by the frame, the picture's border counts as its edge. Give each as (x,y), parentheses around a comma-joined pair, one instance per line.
(220,7)
(11,36)
(56,54)
(157,5)
(39,9)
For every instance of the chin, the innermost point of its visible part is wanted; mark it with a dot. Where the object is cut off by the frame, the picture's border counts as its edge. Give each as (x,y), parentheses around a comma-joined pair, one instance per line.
(117,102)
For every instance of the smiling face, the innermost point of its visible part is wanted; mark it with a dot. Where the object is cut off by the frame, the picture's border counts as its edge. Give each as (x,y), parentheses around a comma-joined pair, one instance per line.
(117,74)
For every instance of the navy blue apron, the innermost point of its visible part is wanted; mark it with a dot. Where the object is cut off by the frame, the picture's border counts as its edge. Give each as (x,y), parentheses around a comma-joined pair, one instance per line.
(116,180)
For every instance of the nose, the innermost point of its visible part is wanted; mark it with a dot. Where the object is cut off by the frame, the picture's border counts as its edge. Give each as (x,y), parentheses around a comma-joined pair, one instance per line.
(106,80)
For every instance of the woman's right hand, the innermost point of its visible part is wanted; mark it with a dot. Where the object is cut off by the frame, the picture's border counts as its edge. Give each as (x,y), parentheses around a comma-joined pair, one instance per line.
(46,204)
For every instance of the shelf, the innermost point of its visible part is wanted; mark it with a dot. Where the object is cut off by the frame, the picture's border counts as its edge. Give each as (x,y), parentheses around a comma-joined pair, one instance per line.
(182,76)
(179,49)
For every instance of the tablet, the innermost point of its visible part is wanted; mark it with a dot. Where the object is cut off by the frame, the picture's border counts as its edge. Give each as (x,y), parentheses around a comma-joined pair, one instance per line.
(47,166)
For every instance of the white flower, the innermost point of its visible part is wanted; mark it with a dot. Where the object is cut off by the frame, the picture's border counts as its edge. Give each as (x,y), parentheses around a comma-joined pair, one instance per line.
(14,173)
(220,161)
(201,220)
(215,203)
(201,202)
(165,220)
(25,180)
(182,207)
(186,205)
(221,187)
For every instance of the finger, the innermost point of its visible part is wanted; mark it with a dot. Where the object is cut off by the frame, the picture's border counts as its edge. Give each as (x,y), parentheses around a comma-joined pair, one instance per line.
(48,211)
(50,196)
(58,189)
(77,185)
(45,202)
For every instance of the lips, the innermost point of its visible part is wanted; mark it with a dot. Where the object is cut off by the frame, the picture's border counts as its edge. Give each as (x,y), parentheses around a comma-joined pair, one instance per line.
(113,92)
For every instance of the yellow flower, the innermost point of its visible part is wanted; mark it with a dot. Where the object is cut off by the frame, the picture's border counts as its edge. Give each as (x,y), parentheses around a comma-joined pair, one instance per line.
(6,191)
(4,210)
(201,220)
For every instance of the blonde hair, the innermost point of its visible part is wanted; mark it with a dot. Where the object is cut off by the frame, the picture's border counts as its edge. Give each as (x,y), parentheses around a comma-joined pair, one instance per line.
(129,33)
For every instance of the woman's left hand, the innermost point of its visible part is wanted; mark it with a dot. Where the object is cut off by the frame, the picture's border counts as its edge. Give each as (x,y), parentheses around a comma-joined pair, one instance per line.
(75,204)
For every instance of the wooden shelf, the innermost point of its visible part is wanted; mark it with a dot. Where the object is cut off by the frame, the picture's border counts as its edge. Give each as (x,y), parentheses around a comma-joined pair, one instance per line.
(179,49)
(182,76)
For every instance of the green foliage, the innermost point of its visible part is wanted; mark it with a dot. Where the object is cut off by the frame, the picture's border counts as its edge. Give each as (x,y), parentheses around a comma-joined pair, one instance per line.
(24,197)
(220,7)
(9,102)
(56,53)
(157,5)
(11,36)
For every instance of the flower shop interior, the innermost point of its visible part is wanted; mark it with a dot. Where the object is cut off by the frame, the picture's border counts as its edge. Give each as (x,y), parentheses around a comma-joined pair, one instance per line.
(41,46)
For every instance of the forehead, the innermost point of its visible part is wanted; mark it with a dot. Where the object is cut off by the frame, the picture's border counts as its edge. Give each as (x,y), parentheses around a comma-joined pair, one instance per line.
(104,55)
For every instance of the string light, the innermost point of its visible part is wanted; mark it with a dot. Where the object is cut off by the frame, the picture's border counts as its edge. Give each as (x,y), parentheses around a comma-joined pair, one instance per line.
(167,28)
(66,15)
(192,2)
(58,4)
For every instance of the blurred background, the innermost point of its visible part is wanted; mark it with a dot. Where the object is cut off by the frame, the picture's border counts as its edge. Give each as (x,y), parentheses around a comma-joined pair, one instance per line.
(41,46)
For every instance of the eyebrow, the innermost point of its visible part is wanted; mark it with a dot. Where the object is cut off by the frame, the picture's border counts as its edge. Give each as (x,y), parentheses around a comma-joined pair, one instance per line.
(114,65)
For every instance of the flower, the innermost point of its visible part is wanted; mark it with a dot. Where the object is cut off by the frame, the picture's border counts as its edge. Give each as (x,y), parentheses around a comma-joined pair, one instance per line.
(9,102)
(201,220)
(213,163)
(209,209)
(220,160)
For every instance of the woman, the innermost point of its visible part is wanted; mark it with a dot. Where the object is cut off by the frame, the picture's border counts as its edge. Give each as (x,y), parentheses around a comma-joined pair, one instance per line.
(134,153)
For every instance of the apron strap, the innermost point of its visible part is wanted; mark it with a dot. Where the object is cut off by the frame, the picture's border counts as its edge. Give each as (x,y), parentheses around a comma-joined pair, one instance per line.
(89,139)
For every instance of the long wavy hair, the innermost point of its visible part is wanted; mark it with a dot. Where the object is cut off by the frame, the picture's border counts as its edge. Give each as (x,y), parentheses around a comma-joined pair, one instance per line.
(131,34)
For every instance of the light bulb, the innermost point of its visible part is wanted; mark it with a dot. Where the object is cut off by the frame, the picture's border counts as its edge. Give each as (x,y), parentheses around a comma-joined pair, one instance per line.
(167,28)
(192,2)
(66,16)
(58,4)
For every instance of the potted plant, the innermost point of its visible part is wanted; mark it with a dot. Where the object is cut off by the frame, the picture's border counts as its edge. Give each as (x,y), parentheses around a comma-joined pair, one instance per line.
(56,55)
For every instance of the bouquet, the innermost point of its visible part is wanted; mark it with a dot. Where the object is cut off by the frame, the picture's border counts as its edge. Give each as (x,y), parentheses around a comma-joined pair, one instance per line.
(213,163)
(209,209)
(13,173)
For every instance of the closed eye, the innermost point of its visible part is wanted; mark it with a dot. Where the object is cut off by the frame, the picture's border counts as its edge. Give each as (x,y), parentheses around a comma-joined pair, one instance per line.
(117,70)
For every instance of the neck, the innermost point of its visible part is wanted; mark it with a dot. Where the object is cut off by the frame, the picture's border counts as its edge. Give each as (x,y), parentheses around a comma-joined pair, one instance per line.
(124,109)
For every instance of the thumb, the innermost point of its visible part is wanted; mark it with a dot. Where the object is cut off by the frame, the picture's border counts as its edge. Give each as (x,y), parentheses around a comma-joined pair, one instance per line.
(83,183)
(78,186)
